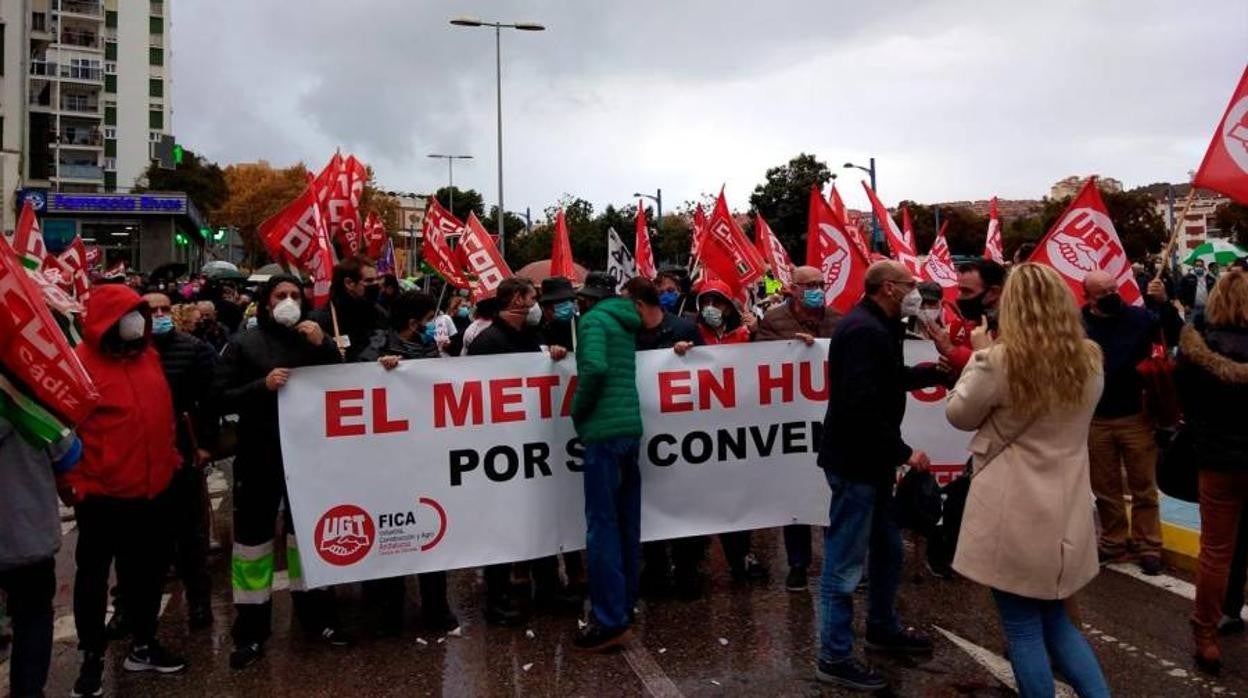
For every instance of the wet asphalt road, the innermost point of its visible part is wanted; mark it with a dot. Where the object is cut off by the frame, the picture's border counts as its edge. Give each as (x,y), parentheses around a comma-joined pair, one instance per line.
(749,640)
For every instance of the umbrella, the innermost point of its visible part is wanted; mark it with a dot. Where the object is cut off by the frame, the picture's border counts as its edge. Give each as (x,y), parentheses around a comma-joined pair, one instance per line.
(167,272)
(539,270)
(1215,251)
(211,269)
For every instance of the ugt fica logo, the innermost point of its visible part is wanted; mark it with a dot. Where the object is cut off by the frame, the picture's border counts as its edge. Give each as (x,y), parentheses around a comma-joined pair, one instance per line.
(344,535)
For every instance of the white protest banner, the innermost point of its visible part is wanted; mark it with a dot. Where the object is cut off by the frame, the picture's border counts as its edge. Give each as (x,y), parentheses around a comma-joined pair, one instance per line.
(620,263)
(452,463)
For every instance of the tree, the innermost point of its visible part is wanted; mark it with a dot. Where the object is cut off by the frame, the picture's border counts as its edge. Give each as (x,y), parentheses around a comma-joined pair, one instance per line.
(783,200)
(384,205)
(257,191)
(466,201)
(203,181)
(1232,219)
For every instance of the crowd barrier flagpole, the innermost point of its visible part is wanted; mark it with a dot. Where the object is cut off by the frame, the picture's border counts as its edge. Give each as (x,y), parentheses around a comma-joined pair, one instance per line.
(333,316)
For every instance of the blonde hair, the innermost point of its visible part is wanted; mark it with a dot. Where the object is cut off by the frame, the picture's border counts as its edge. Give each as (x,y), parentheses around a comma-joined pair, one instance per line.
(1228,303)
(185,316)
(1048,357)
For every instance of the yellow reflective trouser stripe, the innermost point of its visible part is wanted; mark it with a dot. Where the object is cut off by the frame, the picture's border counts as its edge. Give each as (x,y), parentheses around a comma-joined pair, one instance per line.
(251,573)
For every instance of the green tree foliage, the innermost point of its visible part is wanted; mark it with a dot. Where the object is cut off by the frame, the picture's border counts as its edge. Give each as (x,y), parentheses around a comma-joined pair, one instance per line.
(783,199)
(965,233)
(466,201)
(203,181)
(1232,219)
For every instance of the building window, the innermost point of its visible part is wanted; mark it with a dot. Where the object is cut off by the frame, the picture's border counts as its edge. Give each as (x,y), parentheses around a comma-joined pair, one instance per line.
(110,147)
(155,87)
(110,68)
(110,181)
(38,21)
(110,83)
(154,136)
(156,25)
(110,19)
(3,28)
(155,56)
(110,50)
(110,115)
(110,133)
(110,163)
(156,119)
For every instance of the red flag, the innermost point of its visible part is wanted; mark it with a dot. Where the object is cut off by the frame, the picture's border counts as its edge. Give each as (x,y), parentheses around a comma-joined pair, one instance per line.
(993,249)
(335,189)
(481,260)
(28,238)
(435,249)
(1225,167)
(726,251)
(375,237)
(939,267)
(857,233)
(561,250)
(297,235)
(115,271)
(699,230)
(32,347)
(643,254)
(907,227)
(1083,240)
(77,258)
(843,264)
(772,251)
(838,206)
(901,244)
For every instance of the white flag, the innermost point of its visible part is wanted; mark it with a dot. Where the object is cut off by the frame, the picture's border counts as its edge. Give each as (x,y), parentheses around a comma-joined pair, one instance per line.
(620,263)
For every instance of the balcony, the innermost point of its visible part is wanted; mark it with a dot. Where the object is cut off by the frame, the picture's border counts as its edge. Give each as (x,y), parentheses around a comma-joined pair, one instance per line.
(90,138)
(81,39)
(86,8)
(157,8)
(88,172)
(39,23)
(80,106)
(156,40)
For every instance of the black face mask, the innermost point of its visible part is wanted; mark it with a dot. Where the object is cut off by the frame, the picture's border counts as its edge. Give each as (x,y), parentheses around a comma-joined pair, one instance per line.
(1110,304)
(971,308)
(371,293)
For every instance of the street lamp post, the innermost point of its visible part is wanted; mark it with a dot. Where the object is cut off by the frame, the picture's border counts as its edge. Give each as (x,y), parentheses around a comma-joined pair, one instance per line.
(498,87)
(876,237)
(450,175)
(657,198)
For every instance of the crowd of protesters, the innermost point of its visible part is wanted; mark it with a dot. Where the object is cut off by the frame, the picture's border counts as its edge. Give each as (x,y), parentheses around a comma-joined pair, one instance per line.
(189,373)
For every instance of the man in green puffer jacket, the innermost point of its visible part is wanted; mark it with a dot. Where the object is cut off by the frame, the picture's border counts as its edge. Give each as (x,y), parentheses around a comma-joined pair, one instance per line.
(607,413)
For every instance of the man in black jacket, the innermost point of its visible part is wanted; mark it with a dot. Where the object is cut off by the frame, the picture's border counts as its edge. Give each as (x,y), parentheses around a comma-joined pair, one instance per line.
(1195,286)
(353,299)
(254,366)
(513,331)
(188,363)
(861,451)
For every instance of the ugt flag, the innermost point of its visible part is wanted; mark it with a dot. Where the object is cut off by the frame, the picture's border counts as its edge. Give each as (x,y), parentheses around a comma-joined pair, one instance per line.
(1225,167)
(1083,240)
(938,266)
(843,266)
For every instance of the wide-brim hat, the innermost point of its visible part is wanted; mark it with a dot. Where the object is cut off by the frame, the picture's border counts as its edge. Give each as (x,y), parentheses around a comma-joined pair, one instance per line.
(598,285)
(557,289)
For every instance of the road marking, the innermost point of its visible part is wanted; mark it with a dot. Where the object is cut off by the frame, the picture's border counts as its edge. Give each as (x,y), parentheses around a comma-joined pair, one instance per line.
(995,664)
(651,674)
(1162,581)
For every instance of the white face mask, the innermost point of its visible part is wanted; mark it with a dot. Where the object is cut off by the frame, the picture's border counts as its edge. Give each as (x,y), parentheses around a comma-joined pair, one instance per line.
(714,317)
(287,312)
(132,326)
(534,316)
(931,315)
(912,303)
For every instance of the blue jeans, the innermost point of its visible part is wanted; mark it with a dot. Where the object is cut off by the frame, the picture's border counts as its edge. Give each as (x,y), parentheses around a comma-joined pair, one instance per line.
(859,518)
(613,529)
(1038,631)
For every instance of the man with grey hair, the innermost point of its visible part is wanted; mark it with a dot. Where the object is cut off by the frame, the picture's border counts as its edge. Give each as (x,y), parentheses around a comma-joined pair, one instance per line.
(861,451)
(804,316)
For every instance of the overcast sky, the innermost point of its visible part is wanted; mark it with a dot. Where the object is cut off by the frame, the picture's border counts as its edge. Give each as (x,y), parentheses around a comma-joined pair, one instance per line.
(956,100)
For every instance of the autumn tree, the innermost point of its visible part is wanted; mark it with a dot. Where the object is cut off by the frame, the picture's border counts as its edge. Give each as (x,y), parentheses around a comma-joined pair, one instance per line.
(257,191)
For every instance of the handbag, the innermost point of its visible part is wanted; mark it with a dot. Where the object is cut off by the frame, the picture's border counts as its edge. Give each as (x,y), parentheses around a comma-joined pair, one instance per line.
(1177,474)
(1161,393)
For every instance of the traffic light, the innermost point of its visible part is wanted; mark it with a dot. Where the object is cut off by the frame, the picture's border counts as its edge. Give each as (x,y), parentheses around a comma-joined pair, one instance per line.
(180,240)
(205,232)
(220,234)
(177,154)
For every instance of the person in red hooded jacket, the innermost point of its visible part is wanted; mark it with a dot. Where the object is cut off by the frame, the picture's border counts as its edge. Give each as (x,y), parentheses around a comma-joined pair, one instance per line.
(118,490)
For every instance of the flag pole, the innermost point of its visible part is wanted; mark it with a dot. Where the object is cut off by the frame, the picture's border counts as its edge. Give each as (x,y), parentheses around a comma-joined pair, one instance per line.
(333,316)
(1174,231)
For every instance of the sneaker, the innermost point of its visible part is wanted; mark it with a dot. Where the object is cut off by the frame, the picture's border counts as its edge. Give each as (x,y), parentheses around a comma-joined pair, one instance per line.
(796,581)
(153,657)
(1151,565)
(906,641)
(502,612)
(850,673)
(597,639)
(334,637)
(1230,626)
(90,677)
(244,656)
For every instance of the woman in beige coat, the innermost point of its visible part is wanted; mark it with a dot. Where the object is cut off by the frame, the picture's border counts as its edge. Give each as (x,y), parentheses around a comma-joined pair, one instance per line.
(1027,531)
